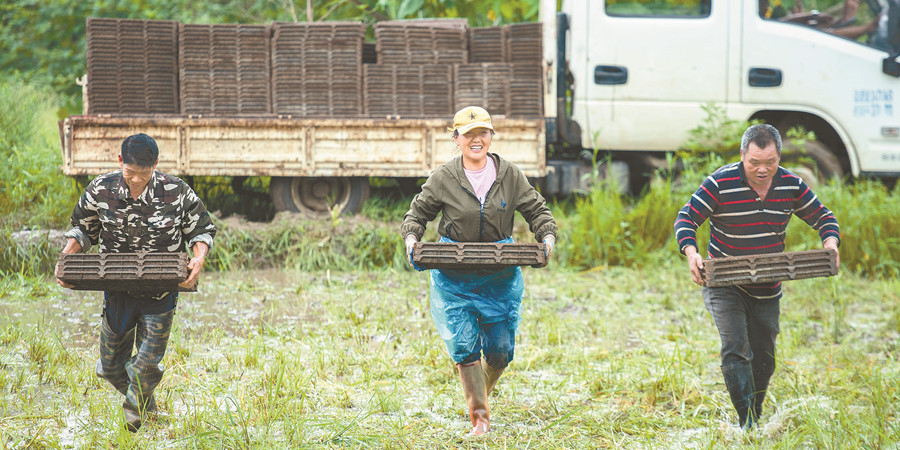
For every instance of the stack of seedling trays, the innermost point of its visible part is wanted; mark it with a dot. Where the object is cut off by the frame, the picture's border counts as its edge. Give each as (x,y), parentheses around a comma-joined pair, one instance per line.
(132,66)
(769,268)
(525,52)
(488,45)
(317,68)
(369,55)
(477,255)
(409,90)
(419,42)
(484,84)
(137,273)
(224,69)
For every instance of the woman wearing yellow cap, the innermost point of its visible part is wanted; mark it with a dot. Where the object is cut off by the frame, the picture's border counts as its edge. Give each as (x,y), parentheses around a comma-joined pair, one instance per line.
(476,312)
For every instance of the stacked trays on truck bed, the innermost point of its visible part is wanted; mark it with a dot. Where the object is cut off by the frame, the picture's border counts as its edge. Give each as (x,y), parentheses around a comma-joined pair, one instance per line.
(483,84)
(525,52)
(132,66)
(505,61)
(413,76)
(224,69)
(421,41)
(409,90)
(317,68)
(488,44)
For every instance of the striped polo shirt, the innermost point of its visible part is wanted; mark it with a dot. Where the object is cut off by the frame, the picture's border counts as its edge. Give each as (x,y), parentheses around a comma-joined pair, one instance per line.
(743,224)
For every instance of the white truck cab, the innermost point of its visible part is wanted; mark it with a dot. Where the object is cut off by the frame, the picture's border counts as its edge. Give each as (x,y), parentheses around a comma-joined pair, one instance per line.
(642,74)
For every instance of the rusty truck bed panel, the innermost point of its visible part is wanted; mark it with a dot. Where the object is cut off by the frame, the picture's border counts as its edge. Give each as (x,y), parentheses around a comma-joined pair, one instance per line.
(284,146)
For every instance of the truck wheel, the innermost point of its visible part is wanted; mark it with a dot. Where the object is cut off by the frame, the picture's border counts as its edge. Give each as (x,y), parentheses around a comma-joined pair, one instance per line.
(812,161)
(316,196)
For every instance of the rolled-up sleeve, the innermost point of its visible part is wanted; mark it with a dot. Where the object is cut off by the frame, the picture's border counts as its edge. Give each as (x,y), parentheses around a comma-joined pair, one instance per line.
(197,225)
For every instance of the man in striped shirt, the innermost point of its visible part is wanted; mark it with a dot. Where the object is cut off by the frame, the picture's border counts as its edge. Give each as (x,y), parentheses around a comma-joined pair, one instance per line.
(749,204)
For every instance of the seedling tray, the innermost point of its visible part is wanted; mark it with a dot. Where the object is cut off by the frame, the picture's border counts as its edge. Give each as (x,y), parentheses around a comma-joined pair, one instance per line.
(734,270)
(477,255)
(141,272)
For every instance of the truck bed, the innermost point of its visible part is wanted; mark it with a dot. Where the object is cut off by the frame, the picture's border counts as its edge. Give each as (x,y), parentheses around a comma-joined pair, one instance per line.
(279,146)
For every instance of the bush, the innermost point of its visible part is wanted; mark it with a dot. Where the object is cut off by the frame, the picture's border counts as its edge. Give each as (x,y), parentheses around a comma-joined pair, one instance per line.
(32,191)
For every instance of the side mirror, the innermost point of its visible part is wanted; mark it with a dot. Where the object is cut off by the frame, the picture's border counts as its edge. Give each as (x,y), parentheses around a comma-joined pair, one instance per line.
(891,66)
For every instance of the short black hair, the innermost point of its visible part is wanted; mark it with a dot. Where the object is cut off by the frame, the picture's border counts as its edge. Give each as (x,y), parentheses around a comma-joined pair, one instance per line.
(762,135)
(140,149)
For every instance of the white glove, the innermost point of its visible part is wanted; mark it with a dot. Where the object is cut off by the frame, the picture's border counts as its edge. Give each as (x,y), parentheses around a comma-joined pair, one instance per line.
(549,241)
(410,241)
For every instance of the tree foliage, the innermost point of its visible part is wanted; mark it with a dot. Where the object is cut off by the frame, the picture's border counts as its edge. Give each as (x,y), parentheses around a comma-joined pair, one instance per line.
(44,42)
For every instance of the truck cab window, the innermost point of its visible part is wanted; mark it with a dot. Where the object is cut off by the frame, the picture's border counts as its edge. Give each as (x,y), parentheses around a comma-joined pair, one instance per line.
(864,21)
(692,9)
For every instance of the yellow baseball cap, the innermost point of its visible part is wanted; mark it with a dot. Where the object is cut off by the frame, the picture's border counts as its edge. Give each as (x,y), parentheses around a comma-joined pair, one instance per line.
(471,117)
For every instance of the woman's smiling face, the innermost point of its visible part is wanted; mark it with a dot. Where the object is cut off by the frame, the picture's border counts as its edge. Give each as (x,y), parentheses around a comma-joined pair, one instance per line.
(474,145)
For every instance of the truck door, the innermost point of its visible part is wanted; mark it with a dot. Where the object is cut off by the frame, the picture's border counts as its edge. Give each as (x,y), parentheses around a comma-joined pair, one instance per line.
(647,69)
(790,66)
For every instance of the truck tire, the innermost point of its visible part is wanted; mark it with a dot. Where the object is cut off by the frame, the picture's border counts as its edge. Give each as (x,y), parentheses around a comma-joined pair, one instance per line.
(316,196)
(812,161)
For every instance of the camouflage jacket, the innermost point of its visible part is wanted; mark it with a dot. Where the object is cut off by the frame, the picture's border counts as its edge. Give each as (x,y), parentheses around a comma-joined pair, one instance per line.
(165,216)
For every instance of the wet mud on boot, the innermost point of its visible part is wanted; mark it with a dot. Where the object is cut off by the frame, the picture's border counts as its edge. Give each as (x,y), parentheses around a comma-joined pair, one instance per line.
(739,382)
(761,377)
(475,390)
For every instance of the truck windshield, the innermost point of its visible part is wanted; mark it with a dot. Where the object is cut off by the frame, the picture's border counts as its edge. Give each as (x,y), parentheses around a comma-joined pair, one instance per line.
(863,21)
(658,8)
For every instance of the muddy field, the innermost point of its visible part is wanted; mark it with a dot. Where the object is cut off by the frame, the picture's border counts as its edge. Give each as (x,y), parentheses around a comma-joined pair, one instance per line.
(607,358)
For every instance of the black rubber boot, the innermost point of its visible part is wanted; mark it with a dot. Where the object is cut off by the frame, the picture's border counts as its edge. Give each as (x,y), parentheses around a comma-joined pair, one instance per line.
(761,377)
(145,369)
(739,382)
(115,349)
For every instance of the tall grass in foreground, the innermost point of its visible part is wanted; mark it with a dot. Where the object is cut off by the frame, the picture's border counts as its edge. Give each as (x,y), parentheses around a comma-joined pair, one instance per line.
(309,245)
(32,192)
(604,227)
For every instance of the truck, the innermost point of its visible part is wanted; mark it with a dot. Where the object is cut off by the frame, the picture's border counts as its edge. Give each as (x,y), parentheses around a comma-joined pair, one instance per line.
(628,78)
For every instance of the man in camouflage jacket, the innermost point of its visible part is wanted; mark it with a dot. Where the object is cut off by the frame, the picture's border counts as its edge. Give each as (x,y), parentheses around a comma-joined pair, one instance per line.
(130,210)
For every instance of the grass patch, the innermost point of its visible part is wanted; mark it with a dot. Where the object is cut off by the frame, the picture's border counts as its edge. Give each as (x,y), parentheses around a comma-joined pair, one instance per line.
(615,357)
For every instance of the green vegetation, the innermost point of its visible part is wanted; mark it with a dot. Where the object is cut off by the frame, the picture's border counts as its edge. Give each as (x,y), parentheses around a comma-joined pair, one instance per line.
(614,357)
(32,191)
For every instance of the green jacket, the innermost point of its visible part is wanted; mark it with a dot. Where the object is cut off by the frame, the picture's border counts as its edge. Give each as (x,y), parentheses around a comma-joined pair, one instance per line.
(464,219)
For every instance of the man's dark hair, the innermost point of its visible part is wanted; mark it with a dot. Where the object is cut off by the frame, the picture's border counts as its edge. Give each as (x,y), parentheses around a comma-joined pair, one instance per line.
(762,135)
(140,150)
